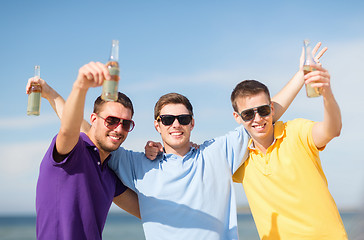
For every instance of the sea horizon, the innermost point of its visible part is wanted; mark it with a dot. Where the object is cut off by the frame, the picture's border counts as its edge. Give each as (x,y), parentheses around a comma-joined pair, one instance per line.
(22,227)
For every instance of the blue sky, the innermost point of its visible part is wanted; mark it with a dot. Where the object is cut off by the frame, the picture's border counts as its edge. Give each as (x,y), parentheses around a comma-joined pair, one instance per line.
(201,49)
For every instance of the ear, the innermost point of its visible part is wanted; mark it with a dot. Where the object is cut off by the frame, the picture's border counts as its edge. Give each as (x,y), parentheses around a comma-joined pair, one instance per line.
(272,107)
(156,126)
(192,123)
(93,118)
(237,118)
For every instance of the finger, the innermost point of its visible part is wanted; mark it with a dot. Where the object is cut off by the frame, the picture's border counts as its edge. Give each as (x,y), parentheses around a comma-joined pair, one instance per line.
(27,87)
(96,73)
(314,50)
(105,70)
(319,55)
(160,147)
(318,78)
(152,144)
(92,74)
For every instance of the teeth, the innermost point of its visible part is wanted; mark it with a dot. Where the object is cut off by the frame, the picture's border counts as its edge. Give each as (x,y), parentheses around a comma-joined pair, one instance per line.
(114,137)
(259,126)
(176,134)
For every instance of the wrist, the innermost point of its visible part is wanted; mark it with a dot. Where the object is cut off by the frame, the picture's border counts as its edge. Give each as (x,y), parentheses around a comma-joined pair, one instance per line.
(79,86)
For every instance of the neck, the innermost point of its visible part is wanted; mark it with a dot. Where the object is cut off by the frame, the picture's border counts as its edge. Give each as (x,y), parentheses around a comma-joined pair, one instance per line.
(263,144)
(103,154)
(179,152)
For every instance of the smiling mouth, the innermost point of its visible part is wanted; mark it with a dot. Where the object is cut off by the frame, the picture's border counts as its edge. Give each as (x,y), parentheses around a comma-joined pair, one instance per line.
(261,126)
(176,133)
(115,138)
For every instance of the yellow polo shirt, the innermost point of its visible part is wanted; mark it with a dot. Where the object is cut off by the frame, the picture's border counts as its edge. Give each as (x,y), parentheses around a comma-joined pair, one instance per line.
(287,188)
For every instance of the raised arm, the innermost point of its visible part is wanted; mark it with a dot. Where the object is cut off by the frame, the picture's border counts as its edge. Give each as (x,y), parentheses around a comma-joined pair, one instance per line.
(55,100)
(284,98)
(90,75)
(330,127)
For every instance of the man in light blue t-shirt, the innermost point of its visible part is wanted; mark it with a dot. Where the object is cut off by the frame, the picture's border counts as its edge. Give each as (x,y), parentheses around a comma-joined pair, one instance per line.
(186,193)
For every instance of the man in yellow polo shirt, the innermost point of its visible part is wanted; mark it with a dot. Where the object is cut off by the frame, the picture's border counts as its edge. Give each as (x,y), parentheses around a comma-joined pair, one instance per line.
(283,178)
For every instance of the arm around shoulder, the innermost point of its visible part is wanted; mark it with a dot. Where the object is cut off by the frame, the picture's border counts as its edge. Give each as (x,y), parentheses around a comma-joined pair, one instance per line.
(128,201)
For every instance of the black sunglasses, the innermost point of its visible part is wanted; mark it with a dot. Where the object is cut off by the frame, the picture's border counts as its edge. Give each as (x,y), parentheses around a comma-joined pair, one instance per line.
(249,114)
(113,122)
(167,120)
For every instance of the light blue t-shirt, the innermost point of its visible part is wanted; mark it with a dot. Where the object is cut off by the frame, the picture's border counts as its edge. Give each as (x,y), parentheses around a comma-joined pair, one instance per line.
(190,197)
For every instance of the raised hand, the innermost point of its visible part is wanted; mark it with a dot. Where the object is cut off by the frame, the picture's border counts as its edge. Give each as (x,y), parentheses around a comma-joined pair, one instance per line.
(92,74)
(319,78)
(316,56)
(152,149)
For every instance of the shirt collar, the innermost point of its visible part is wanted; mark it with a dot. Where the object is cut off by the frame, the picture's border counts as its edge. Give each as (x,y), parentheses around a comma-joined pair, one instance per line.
(91,145)
(170,156)
(278,133)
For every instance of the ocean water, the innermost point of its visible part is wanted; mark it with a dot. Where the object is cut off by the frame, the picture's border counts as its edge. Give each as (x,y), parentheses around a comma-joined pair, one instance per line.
(126,227)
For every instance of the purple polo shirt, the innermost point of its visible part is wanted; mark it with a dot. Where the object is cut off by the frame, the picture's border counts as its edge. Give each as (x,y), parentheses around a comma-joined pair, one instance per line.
(75,195)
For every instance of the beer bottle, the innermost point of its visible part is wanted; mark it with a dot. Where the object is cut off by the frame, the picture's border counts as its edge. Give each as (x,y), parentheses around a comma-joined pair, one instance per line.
(110,87)
(309,66)
(34,95)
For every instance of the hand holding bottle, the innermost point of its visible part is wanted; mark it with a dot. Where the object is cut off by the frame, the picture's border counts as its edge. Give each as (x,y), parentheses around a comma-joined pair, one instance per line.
(34,95)
(47,91)
(319,79)
(309,64)
(316,56)
(92,74)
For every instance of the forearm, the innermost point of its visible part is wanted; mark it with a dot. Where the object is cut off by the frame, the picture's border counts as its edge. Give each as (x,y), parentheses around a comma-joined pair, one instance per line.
(71,120)
(332,116)
(57,102)
(323,132)
(128,201)
(285,96)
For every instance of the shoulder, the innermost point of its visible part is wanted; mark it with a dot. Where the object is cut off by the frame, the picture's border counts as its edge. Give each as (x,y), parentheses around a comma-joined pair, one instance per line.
(299,124)
(236,136)
(122,154)
(299,129)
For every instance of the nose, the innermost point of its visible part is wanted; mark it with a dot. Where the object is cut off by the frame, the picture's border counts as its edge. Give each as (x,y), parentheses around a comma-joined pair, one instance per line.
(119,128)
(176,122)
(256,115)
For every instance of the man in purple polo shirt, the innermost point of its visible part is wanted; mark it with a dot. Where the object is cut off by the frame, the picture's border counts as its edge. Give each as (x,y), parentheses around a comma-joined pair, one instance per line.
(75,186)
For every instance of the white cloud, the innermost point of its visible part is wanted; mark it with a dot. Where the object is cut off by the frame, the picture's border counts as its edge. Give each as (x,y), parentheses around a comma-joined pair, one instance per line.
(20,159)
(28,122)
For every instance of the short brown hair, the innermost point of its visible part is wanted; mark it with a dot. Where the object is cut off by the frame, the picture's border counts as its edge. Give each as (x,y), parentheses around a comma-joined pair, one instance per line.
(247,88)
(122,98)
(172,98)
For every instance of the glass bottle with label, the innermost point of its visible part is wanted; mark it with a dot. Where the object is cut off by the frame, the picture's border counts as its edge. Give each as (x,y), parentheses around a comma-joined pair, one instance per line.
(309,66)
(34,97)
(110,87)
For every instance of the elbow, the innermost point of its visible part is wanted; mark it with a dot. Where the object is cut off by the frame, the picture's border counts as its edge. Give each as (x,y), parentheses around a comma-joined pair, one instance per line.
(337,131)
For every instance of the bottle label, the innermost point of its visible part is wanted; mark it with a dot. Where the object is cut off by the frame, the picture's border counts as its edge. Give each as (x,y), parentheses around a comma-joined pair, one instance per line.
(34,103)
(114,71)
(110,90)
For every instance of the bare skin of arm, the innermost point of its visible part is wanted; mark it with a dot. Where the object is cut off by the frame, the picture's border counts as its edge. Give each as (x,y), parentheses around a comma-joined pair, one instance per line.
(89,75)
(128,201)
(55,100)
(323,132)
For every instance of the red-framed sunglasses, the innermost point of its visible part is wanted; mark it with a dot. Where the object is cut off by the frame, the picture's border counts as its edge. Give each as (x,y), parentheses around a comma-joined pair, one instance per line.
(113,122)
